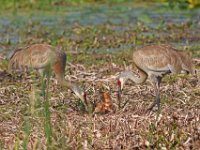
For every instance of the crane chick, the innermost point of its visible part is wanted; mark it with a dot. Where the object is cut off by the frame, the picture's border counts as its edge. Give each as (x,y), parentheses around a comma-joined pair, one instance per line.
(154,62)
(40,57)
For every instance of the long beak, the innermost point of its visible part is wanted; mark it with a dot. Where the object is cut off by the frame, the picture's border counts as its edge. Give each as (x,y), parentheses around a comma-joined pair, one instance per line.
(121,87)
(119,97)
(79,95)
(119,92)
(85,97)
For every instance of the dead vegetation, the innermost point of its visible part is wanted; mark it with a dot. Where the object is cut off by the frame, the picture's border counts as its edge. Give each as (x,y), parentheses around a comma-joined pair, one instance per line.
(36,117)
(128,126)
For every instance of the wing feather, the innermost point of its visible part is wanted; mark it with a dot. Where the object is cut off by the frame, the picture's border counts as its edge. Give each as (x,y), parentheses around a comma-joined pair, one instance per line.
(36,56)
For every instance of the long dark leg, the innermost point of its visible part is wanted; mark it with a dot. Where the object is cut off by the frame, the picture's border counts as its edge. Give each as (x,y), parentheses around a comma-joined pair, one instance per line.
(156,82)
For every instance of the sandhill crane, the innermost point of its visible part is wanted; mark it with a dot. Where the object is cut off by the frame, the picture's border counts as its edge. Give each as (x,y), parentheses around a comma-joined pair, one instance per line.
(155,61)
(40,57)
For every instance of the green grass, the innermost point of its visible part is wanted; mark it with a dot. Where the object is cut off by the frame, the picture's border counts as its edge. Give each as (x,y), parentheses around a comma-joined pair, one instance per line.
(34,109)
(57,5)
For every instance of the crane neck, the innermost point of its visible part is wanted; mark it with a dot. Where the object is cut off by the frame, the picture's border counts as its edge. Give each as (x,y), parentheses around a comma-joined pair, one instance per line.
(138,78)
(74,88)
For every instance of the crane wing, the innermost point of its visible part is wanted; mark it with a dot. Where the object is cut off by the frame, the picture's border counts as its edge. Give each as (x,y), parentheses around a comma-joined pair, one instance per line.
(157,58)
(36,56)
(40,57)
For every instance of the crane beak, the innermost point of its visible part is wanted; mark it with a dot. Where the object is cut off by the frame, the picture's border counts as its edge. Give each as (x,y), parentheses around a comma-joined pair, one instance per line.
(79,92)
(85,98)
(79,95)
(119,92)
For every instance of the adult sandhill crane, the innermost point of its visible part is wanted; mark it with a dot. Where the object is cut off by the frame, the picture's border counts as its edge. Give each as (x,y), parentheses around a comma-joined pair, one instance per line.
(155,61)
(40,57)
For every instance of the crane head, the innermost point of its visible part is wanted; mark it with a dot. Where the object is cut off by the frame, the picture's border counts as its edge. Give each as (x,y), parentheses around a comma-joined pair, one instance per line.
(120,83)
(122,78)
(80,93)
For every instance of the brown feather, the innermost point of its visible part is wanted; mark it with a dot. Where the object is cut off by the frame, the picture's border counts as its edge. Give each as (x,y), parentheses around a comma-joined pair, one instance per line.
(39,56)
(155,61)
(160,57)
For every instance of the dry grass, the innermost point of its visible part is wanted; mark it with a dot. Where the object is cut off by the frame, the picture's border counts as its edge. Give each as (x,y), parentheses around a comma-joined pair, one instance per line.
(22,119)
(30,119)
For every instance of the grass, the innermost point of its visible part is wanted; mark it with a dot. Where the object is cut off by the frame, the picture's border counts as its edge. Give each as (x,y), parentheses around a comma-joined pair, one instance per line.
(16,6)
(52,118)
(35,113)
(48,5)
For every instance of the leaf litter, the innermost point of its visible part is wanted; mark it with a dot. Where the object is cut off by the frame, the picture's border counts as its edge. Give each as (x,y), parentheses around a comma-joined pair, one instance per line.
(125,127)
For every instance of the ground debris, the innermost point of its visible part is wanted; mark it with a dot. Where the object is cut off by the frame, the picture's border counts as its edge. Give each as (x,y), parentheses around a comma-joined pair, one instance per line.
(127,127)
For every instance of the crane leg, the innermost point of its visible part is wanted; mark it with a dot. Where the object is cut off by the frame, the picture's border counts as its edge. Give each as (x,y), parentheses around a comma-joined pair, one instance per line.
(156,82)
